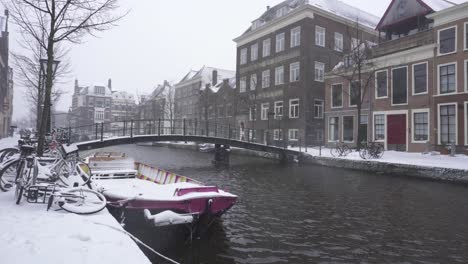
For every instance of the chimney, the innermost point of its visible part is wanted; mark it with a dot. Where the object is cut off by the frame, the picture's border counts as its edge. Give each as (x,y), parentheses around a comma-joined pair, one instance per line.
(109,84)
(214,80)
(268,8)
(77,88)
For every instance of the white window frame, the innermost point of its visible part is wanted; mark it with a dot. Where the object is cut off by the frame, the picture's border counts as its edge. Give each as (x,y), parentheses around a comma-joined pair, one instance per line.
(328,129)
(280,42)
(243,56)
(466,122)
(438,41)
(318,63)
(277,107)
(243,84)
(422,110)
(376,85)
(438,122)
(291,106)
(331,96)
(291,131)
(384,140)
(342,130)
(466,75)
(339,37)
(266,84)
(254,52)
(264,109)
(407,85)
(294,69)
(266,51)
(278,80)
(320,36)
(296,37)
(456,78)
(253,116)
(413,78)
(277,134)
(322,107)
(253,85)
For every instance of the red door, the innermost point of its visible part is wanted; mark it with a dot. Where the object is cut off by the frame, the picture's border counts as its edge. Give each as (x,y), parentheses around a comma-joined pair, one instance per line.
(396,131)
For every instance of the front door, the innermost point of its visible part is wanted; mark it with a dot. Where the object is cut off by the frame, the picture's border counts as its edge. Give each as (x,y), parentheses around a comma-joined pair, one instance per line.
(396,132)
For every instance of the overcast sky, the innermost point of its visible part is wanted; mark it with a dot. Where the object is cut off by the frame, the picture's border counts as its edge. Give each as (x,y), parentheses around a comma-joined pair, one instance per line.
(163,40)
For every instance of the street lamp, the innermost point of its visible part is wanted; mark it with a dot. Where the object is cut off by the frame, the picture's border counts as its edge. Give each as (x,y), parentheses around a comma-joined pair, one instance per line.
(43,72)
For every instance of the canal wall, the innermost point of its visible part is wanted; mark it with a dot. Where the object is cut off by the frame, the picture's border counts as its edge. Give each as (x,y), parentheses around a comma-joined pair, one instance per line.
(394,169)
(377,167)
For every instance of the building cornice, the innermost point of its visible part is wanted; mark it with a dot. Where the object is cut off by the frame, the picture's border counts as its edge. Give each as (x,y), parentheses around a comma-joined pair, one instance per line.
(449,15)
(306,11)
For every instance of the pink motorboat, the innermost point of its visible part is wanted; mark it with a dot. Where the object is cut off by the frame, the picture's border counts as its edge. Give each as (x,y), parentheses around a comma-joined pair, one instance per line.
(164,197)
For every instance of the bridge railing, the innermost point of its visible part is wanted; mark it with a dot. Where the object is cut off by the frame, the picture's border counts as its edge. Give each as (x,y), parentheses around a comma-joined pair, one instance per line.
(184,127)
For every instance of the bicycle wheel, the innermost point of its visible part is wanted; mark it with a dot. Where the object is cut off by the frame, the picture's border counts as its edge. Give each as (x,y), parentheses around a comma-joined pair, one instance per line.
(20,182)
(69,177)
(345,150)
(82,201)
(8,175)
(363,153)
(5,154)
(335,152)
(379,151)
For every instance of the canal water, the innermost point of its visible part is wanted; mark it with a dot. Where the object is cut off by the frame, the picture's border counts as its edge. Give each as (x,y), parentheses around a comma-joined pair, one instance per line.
(308,214)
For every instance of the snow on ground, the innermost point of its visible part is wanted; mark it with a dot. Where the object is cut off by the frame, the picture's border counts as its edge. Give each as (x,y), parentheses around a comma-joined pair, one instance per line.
(30,234)
(418,159)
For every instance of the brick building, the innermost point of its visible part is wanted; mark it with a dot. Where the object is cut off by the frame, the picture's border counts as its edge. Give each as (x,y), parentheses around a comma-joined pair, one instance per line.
(123,107)
(157,106)
(281,62)
(6,79)
(417,96)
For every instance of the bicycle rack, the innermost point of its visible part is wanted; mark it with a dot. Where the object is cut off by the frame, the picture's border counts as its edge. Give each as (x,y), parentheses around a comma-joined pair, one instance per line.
(39,194)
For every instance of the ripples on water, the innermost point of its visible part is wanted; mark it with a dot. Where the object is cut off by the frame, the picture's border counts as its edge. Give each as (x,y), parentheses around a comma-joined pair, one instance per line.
(307,214)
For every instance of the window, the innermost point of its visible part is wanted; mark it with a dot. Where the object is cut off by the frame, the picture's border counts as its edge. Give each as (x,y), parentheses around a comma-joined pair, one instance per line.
(99,116)
(466,36)
(294,134)
(266,47)
(243,84)
(447,78)
(354,93)
(318,109)
(253,113)
(338,42)
(466,76)
(420,126)
(337,95)
(333,128)
(400,85)
(282,11)
(277,134)
(221,111)
(280,42)
(354,43)
(99,90)
(254,52)
(264,111)
(294,72)
(294,108)
(278,109)
(279,75)
(243,56)
(381,81)
(420,78)
(447,40)
(295,37)
(320,36)
(348,129)
(266,79)
(447,123)
(229,110)
(253,82)
(379,127)
(319,71)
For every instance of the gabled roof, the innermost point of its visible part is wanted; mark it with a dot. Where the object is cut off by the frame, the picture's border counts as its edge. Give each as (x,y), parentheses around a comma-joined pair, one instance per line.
(205,76)
(335,7)
(411,8)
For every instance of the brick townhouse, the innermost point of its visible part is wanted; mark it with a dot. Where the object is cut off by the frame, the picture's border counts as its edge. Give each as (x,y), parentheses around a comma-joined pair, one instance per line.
(416,99)
(6,79)
(281,62)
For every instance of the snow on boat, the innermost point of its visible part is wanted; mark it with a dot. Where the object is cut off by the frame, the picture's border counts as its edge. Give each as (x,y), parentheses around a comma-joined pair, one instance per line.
(137,186)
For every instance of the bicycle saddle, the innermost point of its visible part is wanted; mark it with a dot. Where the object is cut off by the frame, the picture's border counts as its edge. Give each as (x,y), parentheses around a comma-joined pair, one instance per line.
(27,149)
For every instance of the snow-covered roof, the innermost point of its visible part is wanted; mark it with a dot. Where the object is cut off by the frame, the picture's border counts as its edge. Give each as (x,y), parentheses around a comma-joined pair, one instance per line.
(438,5)
(205,74)
(122,95)
(231,82)
(90,90)
(335,7)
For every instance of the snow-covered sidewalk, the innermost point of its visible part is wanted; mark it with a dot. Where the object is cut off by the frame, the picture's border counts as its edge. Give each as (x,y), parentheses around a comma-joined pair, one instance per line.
(30,234)
(394,157)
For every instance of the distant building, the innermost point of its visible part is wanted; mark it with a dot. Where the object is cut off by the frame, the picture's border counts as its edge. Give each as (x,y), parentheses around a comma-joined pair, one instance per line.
(281,63)
(156,110)
(123,108)
(60,119)
(91,105)
(6,79)
(189,91)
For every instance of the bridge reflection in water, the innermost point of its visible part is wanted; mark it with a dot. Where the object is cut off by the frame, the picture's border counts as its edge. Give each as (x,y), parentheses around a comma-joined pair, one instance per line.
(304,214)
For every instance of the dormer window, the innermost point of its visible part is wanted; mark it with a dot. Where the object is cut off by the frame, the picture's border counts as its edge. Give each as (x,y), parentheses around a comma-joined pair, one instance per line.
(282,11)
(256,24)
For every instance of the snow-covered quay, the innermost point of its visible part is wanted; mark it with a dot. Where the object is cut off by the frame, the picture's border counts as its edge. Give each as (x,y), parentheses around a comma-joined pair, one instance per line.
(30,234)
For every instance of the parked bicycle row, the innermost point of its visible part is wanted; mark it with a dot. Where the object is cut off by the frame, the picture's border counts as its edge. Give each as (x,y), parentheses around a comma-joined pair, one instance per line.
(371,150)
(59,178)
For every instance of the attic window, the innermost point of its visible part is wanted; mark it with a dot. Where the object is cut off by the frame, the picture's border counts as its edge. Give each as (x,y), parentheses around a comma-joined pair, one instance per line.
(282,11)
(447,40)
